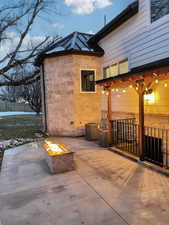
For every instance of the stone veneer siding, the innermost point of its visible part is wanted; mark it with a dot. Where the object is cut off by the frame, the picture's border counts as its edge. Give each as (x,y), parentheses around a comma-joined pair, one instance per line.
(68,110)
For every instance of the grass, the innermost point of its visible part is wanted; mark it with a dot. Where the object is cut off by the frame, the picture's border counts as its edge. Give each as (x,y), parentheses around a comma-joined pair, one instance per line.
(20,126)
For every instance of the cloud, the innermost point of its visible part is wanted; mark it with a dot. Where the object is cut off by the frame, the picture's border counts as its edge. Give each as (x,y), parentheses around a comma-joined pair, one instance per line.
(87,6)
(58,25)
(90,32)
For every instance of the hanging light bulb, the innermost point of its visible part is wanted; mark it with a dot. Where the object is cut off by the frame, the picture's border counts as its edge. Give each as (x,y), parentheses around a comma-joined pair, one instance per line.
(156,81)
(165,85)
(124,91)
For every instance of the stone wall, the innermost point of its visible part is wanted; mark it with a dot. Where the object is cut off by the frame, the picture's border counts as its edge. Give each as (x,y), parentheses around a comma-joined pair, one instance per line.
(87,105)
(68,110)
(59,83)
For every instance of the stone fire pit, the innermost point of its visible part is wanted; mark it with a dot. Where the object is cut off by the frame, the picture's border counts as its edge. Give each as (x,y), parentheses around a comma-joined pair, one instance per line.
(58,157)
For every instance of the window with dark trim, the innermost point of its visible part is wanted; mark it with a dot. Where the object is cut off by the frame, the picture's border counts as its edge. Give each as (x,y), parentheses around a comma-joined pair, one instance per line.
(87,80)
(159,8)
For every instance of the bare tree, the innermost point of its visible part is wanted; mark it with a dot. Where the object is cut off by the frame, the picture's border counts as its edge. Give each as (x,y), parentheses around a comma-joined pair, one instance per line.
(30,93)
(19,16)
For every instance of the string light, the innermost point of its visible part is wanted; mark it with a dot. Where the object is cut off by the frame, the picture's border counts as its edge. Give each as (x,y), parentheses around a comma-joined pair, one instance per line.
(165,85)
(130,86)
(103,92)
(156,81)
(124,91)
(137,88)
(146,89)
(107,93)
(117,89)
(112,90)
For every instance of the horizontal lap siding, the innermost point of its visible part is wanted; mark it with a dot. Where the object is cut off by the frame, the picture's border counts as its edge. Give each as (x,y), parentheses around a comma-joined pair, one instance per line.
(116,44)
(138,40)
(152,45)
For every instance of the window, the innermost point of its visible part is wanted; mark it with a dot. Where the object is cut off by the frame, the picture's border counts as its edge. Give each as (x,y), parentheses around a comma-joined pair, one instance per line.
(106,72)
(159,9)
(87,80)
(123,67)
(116,69)
(113,70)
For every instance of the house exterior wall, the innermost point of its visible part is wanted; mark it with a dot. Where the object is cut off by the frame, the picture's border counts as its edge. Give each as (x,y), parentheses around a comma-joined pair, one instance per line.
(87,105)
(59,86)
(68,110)
(142,42)
(138,39)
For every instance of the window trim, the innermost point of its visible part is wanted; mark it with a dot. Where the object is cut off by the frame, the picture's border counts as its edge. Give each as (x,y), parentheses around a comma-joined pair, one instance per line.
(87,92)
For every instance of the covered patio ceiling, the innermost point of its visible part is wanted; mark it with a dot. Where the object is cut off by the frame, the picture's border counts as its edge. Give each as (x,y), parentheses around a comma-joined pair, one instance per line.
(144,79)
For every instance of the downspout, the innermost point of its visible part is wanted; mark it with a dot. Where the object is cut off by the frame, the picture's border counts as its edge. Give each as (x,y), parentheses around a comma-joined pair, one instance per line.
(44,97)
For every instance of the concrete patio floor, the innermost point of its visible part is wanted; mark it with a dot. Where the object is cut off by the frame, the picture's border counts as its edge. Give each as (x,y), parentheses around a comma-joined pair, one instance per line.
(105,189)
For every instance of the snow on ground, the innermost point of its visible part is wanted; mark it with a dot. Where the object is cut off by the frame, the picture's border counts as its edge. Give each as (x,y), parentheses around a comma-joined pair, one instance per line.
(16,113)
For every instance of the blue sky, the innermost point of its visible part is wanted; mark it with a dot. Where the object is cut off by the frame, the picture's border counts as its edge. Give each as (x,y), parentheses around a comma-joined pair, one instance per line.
(78,15)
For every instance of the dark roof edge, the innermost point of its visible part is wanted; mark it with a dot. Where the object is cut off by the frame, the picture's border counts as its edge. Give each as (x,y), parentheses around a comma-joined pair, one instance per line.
(137,70)
(126,14)
(66,52)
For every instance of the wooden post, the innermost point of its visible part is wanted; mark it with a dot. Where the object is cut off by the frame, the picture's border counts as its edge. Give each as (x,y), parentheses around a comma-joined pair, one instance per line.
(141,89)
(109,116)
(141,124)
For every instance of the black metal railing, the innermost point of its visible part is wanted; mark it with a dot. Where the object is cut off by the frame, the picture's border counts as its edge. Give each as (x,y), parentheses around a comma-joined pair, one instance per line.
(125,134)
(157,146)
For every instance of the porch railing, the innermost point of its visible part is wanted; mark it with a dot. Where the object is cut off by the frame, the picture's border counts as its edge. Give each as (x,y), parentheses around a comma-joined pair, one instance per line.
(126,137)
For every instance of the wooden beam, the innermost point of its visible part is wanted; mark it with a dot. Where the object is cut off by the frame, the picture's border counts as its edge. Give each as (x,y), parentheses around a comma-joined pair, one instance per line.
(109,116)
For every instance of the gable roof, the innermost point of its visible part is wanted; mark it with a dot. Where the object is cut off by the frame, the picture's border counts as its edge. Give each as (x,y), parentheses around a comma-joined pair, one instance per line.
(75,42)
(126,14)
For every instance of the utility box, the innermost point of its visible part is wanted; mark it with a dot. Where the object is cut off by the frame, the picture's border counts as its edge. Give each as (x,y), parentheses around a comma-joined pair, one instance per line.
(91,131)
(103,136)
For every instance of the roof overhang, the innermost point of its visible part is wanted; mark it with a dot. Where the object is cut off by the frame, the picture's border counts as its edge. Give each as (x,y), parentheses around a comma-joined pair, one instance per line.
(157,67)
(130,11)
(41,57)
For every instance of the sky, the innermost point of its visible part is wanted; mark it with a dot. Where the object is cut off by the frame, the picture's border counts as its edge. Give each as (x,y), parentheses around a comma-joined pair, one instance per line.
(78,15)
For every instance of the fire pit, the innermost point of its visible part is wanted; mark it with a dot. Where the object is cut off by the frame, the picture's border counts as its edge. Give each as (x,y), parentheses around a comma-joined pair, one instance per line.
(58,157)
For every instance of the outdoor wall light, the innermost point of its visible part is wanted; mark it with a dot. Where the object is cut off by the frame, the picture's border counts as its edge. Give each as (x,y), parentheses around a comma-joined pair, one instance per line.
(149,98)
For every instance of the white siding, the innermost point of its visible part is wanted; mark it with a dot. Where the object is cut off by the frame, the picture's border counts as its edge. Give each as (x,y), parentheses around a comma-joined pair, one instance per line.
(137,39)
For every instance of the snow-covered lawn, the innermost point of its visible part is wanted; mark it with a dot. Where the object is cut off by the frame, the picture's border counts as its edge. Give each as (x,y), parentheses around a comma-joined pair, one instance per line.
(16,113)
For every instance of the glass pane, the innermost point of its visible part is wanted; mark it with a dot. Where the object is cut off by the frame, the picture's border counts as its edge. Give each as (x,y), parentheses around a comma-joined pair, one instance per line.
(88,80)
(106,72)
(123,67)
(113,70)
(159,8)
